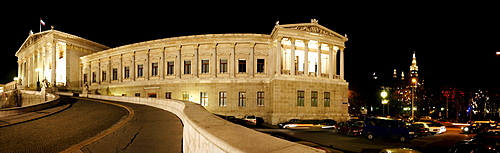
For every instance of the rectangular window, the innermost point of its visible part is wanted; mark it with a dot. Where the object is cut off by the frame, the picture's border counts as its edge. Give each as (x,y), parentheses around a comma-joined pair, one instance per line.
(327,99)
(260,65)
(170,68)
(85,78)
(314,98)
(205,66)
(187,67)
(185,96)
(223,65)
(203,98)
(140,68)
(94,77)
(242,100)
(103,76)
(260,98)
(300,98)
(152,95)
(115,74)
(168,95)
(222,98)
(138,94)
(154,69)
(126,74)
(242,66)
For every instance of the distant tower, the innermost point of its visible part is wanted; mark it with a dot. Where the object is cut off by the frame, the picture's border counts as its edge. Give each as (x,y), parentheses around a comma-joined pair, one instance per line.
(414,67)
(402,75)
(395,75)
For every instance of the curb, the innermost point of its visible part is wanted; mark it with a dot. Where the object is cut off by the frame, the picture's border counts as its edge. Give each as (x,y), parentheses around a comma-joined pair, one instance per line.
(76,148)
(30,117)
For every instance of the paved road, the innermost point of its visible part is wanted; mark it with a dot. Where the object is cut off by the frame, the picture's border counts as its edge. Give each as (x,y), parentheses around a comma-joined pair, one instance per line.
(85,119)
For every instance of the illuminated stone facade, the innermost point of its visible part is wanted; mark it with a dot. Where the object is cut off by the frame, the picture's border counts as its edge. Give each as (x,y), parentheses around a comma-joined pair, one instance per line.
(231,74)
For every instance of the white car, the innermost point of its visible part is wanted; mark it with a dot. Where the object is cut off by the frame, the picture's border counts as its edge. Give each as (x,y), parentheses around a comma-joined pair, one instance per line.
(436,128)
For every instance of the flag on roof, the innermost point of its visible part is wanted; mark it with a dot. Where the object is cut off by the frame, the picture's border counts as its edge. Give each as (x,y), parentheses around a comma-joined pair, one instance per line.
(41,22)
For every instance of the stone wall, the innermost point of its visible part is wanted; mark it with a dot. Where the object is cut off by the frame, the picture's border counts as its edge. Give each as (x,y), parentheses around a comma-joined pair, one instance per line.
(32,101)
(205,132)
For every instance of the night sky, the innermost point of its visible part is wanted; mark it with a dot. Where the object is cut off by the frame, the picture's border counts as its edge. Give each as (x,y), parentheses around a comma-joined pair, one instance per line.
(454,43)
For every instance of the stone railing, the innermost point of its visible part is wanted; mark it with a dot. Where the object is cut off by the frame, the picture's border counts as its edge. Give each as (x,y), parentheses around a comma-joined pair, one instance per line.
(32,101)
(205,132)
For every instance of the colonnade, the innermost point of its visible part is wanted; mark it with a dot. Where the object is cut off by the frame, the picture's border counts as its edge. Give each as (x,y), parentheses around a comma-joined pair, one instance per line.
(294,64)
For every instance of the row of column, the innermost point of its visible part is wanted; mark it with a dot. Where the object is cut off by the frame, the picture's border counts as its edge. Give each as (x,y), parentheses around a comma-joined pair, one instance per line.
(332,59)
(28,64)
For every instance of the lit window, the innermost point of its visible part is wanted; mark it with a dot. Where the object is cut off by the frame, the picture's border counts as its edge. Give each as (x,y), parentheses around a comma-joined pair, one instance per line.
(314,98)
(242,100)
(203,98)
(222,98)
(260,98)
(327,99)
(300,98)
(185,96)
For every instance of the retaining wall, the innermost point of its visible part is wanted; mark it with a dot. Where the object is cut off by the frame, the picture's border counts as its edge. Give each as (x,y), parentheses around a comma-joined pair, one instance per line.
(205,132)
(32,101)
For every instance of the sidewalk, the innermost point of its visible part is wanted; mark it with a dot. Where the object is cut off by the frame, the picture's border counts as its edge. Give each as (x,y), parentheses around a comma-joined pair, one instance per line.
(10,120)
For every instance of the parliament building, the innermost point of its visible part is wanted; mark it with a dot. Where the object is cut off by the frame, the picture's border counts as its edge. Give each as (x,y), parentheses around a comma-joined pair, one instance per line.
(296,72)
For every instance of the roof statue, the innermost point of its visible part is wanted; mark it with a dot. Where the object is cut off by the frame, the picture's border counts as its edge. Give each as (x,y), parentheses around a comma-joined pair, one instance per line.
(314,21)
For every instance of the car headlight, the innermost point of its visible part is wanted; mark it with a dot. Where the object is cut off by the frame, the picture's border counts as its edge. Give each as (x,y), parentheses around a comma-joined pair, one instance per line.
(465,128)
(411,132)
(355,131)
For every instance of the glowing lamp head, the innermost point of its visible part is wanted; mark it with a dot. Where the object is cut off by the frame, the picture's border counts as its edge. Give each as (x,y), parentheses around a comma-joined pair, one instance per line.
(414,80)
(383,94)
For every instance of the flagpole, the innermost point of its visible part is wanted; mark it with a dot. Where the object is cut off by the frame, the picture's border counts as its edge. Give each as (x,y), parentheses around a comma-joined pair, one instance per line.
(40,24)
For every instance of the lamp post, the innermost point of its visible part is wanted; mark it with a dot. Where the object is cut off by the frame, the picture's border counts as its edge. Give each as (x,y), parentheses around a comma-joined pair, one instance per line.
(37,70)
(383,94)
(15,80)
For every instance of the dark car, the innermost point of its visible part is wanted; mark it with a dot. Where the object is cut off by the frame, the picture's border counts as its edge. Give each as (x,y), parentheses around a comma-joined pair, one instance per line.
(421,128)
(350,128)
(488,142)
(476,128)
(387,128)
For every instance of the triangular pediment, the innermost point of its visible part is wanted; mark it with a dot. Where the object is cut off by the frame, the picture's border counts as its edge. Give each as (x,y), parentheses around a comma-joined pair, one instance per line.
(314,28)
(32,38)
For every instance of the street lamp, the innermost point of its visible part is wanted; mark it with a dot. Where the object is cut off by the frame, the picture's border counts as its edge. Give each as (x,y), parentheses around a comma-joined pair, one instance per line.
(414,81)
(15,80)
(37,70)
(383,94)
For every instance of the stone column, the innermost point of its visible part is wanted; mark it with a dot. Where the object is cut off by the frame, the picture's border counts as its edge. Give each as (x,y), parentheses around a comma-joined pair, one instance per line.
(318,74)
(292,56)
(99,73)
(279,54)
(342,63)
(89,74)
(331,62)
(213,70)
(195,61)
(146,71)
(252,60)
(177,65)
(132,68)
(120,69)
(161,69)
(306,57)
(53,72)
(233,61)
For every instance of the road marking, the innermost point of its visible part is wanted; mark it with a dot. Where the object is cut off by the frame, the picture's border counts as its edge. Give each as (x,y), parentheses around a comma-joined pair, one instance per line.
(76,148)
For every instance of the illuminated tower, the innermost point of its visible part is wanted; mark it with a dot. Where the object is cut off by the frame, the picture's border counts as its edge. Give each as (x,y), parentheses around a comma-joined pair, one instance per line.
(414,67)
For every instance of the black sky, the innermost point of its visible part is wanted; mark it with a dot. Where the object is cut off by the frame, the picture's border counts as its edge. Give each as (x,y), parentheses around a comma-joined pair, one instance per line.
(454,43)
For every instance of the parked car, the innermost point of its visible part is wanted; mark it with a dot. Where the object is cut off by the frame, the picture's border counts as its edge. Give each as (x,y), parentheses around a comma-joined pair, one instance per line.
(487,142)
(421,128)
(231,119)
(252,120)
(387,128)
(436,128)
(350,128)
(476,128)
